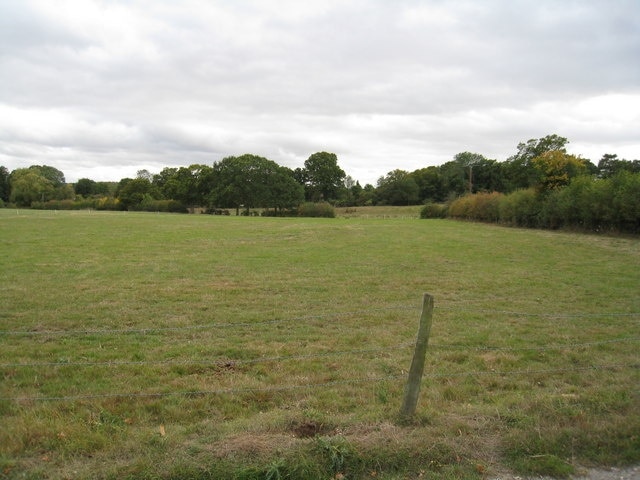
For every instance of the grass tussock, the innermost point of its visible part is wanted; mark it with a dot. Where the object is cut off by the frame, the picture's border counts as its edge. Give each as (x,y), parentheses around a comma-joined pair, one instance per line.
(162,346)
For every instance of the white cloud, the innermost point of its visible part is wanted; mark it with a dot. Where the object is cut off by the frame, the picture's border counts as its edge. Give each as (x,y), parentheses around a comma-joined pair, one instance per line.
(111,87)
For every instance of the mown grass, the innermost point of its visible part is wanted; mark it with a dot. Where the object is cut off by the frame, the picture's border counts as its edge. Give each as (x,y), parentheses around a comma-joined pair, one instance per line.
(173,346)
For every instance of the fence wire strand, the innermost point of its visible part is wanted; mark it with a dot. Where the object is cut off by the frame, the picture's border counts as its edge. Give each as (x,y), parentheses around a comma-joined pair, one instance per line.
(312,386)
(219,361)
(225,325)
(326,354)
(205,326)
(226,360)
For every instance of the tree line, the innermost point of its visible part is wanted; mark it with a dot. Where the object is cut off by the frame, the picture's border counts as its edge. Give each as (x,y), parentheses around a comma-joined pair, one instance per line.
(249,182)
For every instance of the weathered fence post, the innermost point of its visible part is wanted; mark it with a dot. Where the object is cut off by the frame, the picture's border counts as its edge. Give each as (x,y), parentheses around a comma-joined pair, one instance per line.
(412,389)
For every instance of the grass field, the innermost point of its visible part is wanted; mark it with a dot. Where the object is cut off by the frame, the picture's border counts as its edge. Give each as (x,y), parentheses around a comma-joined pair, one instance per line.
(189,346)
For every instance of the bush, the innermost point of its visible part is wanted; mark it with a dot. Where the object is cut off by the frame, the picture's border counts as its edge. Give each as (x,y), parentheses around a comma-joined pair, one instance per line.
(625,188)
(434,210)
(521,208)
(480,206)
(461,207)
(149,204)
(282,212)
(322,209)
(486,206)
(596,204)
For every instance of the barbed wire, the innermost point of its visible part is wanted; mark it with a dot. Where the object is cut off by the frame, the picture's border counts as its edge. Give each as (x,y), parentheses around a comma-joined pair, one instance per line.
(538,314)
(555,346)
(219,362)
(354,380)
(206,326)
(226,360)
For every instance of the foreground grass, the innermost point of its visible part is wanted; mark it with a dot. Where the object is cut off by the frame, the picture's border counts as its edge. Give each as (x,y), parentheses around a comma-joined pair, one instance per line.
(168,346)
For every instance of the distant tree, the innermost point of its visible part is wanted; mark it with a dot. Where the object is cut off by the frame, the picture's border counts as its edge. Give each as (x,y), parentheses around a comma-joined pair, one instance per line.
(28,185)
(323,177)
(397,188)
(609,165)
(430,185)
(454,179)
(367,195)
(535,147)
(518,169)
(144,174)
(55,176)
(355,195)
(86,187)
(182,184)
(556,169)
(349,192)
(5,184)
(132,191)
(486,175)
(250,181)
(479,173)
(284,191)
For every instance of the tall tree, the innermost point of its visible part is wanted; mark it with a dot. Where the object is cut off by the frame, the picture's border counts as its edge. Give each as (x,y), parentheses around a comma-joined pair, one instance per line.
(5,185)
(429,181)
(610,164)
(132,191)
(28,185)
(55,176)
(86,187)
(518,169)
(556,169)
(182,184)
(397,188)
(250,181)
(324,178)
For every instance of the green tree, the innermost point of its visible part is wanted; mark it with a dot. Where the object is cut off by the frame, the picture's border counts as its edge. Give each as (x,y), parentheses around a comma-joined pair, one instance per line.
(182,184)
(132,191)
(250,181)
(86,187)
(397,188)
(322,177)
(55,176)
(29,186)
(430,185)
(519,171)
(284,190)
(609,165)
(454,180)
(5,184)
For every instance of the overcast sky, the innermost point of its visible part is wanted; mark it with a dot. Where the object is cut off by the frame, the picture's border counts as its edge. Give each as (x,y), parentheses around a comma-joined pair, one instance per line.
(102,89)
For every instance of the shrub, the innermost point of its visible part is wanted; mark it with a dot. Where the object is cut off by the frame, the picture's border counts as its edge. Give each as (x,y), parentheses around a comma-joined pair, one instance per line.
(595,204)
(434,210)
(521,208)
(461,207)
(108,203)
(322,209)
(486,206)
(480,206)
(625,189)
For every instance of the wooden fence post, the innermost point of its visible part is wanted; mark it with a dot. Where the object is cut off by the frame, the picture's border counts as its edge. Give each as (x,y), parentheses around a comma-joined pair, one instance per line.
(412,389)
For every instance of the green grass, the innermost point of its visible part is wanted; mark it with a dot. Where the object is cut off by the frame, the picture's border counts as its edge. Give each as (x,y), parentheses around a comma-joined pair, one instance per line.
(175,346)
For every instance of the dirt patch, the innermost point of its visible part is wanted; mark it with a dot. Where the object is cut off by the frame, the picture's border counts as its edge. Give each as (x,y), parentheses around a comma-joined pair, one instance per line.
(310,429)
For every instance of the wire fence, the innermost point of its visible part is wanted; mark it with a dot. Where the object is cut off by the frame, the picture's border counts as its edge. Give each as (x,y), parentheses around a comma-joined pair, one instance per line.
(373,350)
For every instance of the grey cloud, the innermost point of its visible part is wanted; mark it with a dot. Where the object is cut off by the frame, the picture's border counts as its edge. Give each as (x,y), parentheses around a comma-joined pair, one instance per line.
(383,84)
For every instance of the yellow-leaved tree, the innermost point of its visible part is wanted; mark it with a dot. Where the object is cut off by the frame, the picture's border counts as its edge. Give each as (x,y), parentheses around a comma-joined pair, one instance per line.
(556,169)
